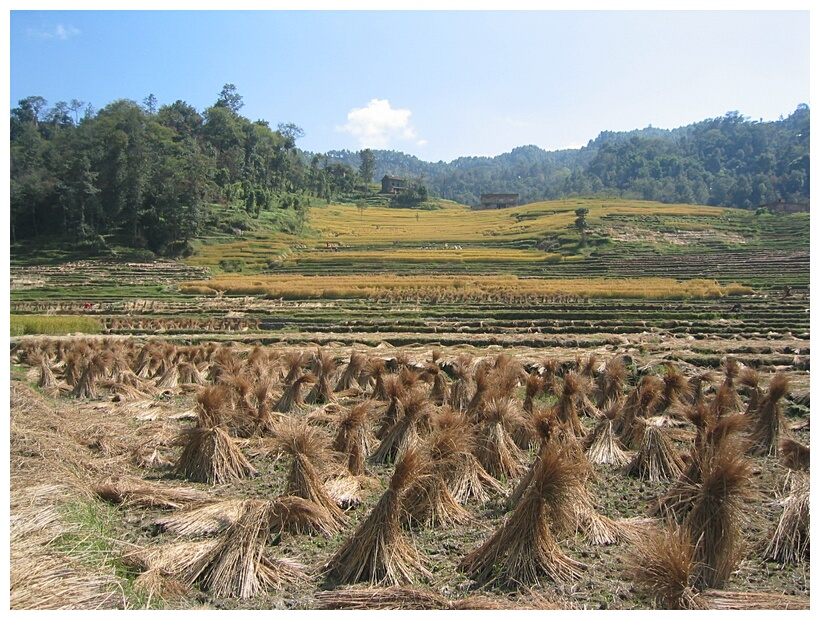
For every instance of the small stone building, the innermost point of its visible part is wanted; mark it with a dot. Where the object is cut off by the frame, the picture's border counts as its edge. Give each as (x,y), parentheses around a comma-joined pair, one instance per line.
(392,185)
(497,201)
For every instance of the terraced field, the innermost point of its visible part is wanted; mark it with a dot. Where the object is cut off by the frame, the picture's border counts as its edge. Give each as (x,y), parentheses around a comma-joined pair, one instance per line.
(739,298)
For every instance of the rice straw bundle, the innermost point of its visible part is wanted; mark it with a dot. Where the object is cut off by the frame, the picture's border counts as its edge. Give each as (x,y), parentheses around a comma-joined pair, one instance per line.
(310,450)
(406,598)
(604,446)
(294,362)
(662,564)
(466,478)
(769,423)
(189,374)
(523,548)
(723,599)
(440,389)
(565,408)
(352,373)
(495,448)
(378,552)
(656,458)
(794,454)
(203,520)
(676,388)
(429,501)
(713,437)
(749,378)
(95,369)
(211,455)
(636,407)
(129,491)
(414,424)
(394,390)
(374,372)
(354,437)
(533,388)
(170,378)
(237,565)
(550,374)
(611,381)
(324,368)
(292,395)
(462,388)
(790,541)
(717,513)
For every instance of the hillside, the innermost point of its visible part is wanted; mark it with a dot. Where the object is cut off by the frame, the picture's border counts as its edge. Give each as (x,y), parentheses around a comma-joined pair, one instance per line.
(130,179)
(728,161)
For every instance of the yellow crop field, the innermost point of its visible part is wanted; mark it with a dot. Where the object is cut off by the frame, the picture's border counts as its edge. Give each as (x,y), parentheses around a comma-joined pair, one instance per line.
(450,287)
(458,224)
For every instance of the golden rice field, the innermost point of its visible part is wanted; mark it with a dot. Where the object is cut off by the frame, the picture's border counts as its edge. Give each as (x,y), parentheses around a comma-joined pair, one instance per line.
(387,285)
(407,235)
(348,225)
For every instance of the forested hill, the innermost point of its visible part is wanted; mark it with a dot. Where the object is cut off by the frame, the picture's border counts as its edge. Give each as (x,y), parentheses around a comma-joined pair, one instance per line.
(153,177)
(729,161)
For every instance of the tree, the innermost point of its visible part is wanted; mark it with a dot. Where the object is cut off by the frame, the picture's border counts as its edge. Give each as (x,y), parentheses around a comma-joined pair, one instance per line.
(413,195)
(367,166)
(150,104)
(229,98)
(581,225)
(291,132)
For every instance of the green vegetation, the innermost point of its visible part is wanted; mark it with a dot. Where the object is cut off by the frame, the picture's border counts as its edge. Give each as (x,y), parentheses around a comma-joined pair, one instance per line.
(729,161)
(23,325)
(93,529)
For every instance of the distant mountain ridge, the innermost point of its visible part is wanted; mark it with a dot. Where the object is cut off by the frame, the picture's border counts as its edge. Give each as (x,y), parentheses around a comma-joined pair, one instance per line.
(727,161)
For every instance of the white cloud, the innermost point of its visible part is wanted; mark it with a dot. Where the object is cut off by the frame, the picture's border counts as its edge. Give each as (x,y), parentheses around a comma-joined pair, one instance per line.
(60,32)
(377,124)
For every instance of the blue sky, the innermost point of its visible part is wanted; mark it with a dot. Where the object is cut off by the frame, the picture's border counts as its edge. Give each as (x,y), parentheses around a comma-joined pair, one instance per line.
(435,84)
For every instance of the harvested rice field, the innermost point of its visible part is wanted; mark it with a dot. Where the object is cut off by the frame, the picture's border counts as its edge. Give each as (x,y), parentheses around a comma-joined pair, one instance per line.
(351,469)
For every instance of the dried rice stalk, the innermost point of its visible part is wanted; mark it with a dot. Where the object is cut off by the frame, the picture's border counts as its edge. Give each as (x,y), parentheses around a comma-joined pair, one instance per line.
(352,372)
(43,581)
(722,599)
(170,378)
(628,424)
(209,519)
(355,438)
(297,515)
(414,424)
(463,387)
(769,422)
(129,491)
(378,552)
(605,447)
(790,541)
(393,597)
(523,548)
(211,455)
(716,516)
(292,395)
(794,454)
(656,459)
(662,564)
(611,382)
(237,565)
(347,491)
(495,448)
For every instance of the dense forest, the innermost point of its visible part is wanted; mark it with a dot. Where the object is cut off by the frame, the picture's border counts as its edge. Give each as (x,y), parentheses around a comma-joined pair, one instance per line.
(154,177)
(148,175)
(728,161)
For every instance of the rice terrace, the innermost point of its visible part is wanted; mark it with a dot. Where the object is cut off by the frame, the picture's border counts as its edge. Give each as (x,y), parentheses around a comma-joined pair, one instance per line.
(439,408)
